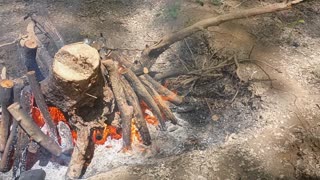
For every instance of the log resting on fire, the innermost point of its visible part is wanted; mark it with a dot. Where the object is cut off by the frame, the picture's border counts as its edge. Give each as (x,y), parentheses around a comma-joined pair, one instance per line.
(126,111)
(6,87)
(31,128)
(140,122)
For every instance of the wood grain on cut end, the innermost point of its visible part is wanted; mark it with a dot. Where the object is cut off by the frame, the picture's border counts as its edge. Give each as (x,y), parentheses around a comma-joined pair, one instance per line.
(76,62)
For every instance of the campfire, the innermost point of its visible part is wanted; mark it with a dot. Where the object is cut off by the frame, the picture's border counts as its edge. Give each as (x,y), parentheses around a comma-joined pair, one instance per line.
(79,98)
(67,105)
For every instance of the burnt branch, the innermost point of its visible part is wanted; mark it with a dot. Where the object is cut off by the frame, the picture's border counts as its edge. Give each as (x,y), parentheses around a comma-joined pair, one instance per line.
(6,87)
(140,122)
(169,95)
(31,128)
(156,96)
(142,93)
(35,87)
(125,110)
(7,156)
(150,53)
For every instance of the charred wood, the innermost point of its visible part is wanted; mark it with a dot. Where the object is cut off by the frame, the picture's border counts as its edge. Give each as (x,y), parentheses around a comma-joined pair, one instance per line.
(161,103)
(6,87)
(126,111)
(33,130)
(42,105)
(140,122)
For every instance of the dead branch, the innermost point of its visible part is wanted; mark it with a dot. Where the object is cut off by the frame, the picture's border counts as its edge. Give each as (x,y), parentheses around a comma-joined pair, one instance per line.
(6,87)
(42,105)
(156,96)
(7,156)
(79,159)
(144,95)
(33,130)
(125,110)
(133,101)
(169,95)
(150,53)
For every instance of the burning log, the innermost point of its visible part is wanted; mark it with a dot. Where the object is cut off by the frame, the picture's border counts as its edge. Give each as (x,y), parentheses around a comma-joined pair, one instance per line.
(156,96)
(126,111)
(42,105)
(33,130)
(7,156)
(133,101)
(144,95)
(81,155)
(169,95)
(6,99)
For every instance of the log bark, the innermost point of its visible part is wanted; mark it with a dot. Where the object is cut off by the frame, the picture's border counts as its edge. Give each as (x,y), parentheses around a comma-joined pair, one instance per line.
(141,123)
(42,105)
(79,160)
(169,95)
(150,53)
(145,96)
(126,111)
(7,156)
(6,87)
(76,80)
(156,96)
(33,130)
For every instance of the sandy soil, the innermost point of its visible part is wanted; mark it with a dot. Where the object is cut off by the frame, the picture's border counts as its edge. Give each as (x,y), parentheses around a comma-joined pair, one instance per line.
(269,131)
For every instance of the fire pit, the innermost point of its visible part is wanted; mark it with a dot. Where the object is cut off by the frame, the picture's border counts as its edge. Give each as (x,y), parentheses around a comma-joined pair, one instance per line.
(89,102)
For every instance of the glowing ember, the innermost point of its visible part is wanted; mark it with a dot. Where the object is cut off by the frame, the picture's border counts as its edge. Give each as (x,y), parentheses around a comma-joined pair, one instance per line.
(100,136)
(148,114)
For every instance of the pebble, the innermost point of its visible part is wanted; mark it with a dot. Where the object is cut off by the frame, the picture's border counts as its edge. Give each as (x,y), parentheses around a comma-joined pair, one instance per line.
(36,174)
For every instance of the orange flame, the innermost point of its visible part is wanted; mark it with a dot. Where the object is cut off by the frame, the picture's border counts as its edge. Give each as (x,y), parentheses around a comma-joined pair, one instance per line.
(150,119)
(135,136)
(104,134)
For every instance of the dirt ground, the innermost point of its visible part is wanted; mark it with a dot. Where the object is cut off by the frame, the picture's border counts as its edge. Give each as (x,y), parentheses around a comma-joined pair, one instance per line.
(253,129)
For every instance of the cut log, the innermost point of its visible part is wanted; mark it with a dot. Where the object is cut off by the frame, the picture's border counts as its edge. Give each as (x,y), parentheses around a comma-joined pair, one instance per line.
(76,80)
(140,122)
(6,87)
(33,130)
(126,111)
(156,96)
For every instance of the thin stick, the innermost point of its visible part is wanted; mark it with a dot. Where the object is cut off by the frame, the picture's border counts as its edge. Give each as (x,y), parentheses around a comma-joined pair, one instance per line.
(169,95)
(125,110)
(133,101)
(7,156)
(42,105)
(144,95)
(156,96)
(33,130)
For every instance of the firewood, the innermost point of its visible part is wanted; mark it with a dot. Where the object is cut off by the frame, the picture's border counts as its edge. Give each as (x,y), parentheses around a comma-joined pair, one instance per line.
(156,96)
(76,80)
(172,97)
(133,101)
(144,95)
(8,154)
(45,25)
(33,130)
(42,105)
(6,99)
(79,159)
(126,111)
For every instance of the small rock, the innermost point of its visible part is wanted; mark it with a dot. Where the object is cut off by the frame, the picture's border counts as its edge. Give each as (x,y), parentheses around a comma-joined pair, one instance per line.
(36,174)
(215,117)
